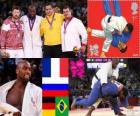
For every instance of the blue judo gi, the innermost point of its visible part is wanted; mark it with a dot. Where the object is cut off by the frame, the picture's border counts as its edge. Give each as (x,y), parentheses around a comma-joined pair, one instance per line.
(109,90)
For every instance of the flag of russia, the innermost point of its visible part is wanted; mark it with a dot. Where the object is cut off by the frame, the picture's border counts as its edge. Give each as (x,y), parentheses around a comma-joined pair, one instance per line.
(55,77)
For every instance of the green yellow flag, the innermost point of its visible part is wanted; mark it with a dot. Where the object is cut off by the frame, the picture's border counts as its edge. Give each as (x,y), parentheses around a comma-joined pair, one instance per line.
(62,106)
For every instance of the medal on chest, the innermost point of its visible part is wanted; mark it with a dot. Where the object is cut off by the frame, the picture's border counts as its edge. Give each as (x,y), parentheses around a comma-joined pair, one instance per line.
(66,23)
(17,25)
(31,23)
(51,22)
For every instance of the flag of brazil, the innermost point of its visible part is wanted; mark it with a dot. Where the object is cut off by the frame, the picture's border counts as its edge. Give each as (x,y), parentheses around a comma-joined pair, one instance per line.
(62,106)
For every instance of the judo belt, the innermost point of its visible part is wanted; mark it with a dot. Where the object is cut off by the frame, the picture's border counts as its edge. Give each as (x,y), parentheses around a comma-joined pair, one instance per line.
(101,85)
(108,20)
(96,77)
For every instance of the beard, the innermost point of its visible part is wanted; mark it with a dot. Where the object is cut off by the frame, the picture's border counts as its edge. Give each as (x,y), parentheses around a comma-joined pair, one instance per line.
(16,17)
(26,77)
(31,16)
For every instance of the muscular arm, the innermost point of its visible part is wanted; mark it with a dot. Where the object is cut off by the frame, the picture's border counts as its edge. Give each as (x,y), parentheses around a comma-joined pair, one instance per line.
(115,105)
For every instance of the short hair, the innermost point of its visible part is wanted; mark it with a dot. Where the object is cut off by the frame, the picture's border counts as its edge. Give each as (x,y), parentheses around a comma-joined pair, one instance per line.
(123,50)
(21,62)
(31,6)
(66,6)
(50,4)
(16,8)
(130,27)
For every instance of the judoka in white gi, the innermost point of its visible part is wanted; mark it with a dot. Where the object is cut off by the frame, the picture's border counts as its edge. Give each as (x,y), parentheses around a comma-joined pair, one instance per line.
(25,97)
(32,42)
(116,29)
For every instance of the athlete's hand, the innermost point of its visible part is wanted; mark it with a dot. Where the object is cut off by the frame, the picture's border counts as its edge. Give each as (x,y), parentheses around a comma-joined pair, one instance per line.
(83,49)
(103,55)
(89,30)
(119,32)
(130,107)
(4,54)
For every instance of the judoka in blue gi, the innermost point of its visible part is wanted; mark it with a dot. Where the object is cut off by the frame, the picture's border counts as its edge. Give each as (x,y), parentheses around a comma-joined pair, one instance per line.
(110,91)
(101,87)
(116,30)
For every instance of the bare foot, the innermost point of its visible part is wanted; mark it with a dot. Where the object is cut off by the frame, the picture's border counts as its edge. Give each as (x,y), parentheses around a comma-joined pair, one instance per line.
(92,108)
(73,104)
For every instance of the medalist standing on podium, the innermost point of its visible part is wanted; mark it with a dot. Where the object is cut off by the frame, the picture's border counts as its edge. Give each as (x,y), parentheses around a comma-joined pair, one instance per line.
(51,31)
(71,31)
(32,39)
(12,35)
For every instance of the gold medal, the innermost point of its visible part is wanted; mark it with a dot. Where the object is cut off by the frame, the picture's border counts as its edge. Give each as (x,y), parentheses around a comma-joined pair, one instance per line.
(51,27)
(51,22)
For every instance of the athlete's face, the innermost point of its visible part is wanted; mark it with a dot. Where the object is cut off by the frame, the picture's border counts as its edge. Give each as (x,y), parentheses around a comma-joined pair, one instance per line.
(23,71)
(49,10)
(16,14)
(32,12)
(67,13)
(121,45)
(115,63)
(126,29)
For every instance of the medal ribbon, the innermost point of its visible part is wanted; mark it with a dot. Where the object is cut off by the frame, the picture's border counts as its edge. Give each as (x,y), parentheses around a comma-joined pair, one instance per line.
(66,23)
(51,22)
(31,23)
(17,26)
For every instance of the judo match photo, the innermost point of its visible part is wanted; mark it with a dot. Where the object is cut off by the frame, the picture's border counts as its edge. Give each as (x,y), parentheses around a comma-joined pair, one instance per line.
(113,28)
(108,87)
(20,87)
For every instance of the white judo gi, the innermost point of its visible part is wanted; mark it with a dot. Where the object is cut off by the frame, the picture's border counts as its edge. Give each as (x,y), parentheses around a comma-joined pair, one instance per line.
(116,24)
(32,100)
(32,43)
(103,73)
